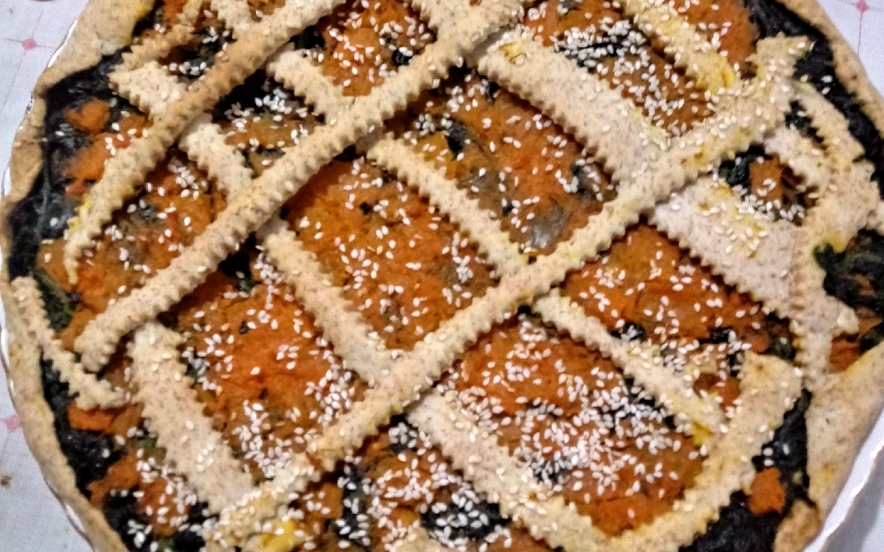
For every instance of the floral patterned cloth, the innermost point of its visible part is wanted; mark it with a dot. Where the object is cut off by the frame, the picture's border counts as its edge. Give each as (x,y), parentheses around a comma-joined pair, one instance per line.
(31,520)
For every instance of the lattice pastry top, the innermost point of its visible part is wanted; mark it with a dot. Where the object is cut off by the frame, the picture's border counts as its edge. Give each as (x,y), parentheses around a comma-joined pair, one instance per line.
(448,274)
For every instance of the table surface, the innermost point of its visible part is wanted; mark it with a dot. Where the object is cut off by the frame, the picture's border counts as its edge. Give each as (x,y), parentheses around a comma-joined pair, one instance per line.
(31,520)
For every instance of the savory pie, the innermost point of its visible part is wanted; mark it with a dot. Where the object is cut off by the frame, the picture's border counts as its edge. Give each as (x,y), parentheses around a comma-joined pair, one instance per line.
(448,274)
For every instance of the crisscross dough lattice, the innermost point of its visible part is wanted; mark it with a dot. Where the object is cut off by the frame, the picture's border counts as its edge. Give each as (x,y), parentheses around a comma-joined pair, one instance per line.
(648,166)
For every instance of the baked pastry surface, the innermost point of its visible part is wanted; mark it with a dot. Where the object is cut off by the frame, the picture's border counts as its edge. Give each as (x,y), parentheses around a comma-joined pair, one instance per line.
(448,274)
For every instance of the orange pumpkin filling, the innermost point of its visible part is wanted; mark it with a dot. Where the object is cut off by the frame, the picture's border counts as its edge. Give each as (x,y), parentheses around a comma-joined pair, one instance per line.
(767,493)
(262,119)
(767,187)
(523,168)
(402,265)
(267,378)
(92,118)
(646,286)
(363,43)
(175,206)
(572,417)
(724,23)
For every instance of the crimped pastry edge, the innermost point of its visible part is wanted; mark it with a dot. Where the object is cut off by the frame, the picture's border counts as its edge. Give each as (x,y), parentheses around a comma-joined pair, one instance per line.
(866,385)
(101,29)
(106,25)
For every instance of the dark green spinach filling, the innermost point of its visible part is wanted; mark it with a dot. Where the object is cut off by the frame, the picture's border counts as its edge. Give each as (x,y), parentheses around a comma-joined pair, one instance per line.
(738,529)
(856,278)
(89,453)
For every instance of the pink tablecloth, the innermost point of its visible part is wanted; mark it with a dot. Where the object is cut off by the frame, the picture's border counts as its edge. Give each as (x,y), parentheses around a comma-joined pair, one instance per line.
(30,31)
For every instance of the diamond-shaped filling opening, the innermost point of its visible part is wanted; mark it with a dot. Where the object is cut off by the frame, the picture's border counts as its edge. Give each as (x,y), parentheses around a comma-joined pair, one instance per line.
(404,266)
(767,187)
(603,40)
(855,276)
(120,468)
(361,44)
(92,132)
(523,168)
(176,204)
(268,379)
(647,288)
(189,61)
(398,482)
(569,414)
(262,119)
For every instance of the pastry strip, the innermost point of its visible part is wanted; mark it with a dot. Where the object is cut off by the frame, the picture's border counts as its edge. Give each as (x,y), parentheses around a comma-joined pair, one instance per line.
(193,447)
(204,143)
(682,43)
(294,70)
(748,252)
(829,124)
(641,363)
(235,14)
(846,204)
(150,88)
(341,325)
(90,391)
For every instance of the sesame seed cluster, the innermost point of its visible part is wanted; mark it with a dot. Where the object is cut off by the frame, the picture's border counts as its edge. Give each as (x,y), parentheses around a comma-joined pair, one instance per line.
(377,275)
